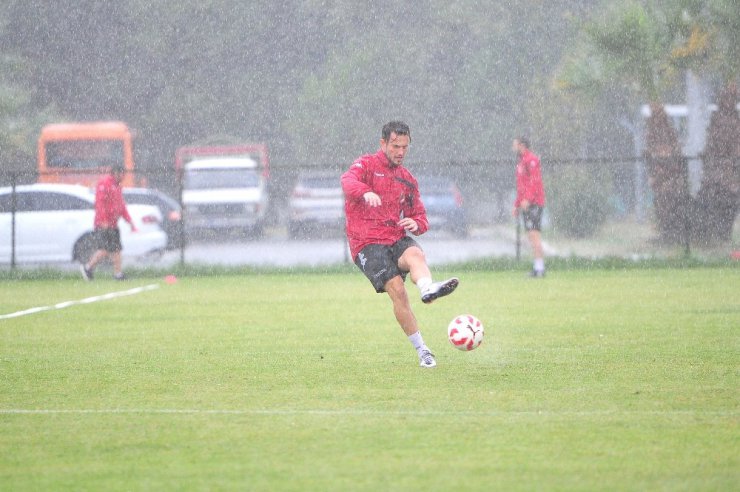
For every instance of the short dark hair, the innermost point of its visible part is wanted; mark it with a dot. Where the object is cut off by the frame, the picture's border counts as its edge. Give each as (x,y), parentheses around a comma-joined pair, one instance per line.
(523,140)
(397,127)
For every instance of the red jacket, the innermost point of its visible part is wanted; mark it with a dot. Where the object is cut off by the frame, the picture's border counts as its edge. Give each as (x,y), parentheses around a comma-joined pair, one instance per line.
(109,204)
(399,195)
(529,181)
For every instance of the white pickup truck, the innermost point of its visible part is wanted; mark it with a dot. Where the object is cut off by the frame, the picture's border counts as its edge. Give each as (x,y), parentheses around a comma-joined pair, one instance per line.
(224,193)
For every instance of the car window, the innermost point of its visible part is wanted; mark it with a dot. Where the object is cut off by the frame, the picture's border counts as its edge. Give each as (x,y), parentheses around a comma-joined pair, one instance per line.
(23,202)
(162,201)
(435,185)
(47,200)
(6,203)
(320,182)
(204,179)
(140,199)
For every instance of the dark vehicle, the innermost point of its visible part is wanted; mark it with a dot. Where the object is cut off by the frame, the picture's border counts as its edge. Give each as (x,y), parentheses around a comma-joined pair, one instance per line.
(171,212)
(316,205)
(444,204)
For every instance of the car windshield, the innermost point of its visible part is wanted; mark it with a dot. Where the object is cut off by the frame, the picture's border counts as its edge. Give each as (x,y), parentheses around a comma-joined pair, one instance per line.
(320,182)
(84,154)
(142,198)
(435,185)
(204,179)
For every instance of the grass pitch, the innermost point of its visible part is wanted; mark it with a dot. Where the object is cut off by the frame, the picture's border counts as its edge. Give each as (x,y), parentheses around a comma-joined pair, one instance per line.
(587,380)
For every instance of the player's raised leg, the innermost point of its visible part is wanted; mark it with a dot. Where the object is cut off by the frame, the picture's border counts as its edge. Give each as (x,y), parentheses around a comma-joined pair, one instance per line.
(414,261)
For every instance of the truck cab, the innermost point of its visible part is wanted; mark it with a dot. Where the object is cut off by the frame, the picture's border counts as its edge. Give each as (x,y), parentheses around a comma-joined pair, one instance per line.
(224,193)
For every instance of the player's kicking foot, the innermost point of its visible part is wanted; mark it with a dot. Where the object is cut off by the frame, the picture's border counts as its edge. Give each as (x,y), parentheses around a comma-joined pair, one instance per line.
(426,359)
(439,289)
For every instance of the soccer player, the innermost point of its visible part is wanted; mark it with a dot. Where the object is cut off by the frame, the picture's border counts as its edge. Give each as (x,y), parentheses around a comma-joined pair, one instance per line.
(530,200)
(382,205)
(109,207)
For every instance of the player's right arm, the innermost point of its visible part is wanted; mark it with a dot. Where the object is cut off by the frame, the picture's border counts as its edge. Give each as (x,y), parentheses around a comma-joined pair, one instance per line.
(355,186)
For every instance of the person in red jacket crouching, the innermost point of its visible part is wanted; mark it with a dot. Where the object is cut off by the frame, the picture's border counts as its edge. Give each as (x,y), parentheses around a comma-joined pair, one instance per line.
(382,205)
(109,207)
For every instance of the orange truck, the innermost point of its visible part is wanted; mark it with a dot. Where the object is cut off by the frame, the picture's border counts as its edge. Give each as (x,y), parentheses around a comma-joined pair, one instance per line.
(80,153)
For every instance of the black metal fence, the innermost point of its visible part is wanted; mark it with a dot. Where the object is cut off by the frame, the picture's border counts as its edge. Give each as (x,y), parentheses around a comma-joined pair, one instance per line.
(595,208)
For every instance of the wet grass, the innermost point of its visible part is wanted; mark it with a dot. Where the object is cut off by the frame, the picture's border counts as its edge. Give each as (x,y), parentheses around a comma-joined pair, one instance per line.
(588,380)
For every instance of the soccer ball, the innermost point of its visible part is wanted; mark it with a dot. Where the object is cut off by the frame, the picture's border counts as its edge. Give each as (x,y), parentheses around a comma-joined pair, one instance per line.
(465,332)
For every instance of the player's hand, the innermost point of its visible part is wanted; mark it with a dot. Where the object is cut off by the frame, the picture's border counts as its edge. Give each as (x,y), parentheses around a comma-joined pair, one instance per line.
(371,199)
(409,224)
(524,205)
(134,229)
(515,211)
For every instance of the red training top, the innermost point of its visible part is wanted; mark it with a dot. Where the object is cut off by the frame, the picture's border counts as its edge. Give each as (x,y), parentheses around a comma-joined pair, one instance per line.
(399,198)
(529,181)
(109,204)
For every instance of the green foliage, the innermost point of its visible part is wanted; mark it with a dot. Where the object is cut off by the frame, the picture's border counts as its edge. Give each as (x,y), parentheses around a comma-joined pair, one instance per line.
(316,80)
(633,41)
(723,16)
(579,201)
(610,380)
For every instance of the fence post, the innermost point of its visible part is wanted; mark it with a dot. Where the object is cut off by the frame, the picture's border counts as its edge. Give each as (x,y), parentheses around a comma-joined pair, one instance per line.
(518,237)
(183,217)
(687,212)
(13,209)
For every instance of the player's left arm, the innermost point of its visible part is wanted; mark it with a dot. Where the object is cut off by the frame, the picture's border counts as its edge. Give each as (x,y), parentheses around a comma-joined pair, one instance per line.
(121,205)
(415,215)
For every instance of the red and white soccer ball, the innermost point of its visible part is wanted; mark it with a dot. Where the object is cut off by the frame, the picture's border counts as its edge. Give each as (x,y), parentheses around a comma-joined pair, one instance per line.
(465,332)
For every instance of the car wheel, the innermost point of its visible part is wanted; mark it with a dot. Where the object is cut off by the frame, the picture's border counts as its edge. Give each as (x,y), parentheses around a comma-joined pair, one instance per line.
(84,248)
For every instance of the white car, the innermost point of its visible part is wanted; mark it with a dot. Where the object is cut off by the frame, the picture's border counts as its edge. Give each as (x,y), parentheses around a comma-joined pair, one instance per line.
(54,223)
(316,205)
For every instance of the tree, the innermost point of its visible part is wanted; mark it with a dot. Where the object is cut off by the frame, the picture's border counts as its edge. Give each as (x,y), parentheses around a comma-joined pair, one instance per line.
(21,116)
(719,195)
(628,50)
(707,43)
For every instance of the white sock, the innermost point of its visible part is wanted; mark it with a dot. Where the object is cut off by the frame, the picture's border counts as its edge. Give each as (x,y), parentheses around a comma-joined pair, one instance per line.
(423,283)
(417,341)
(539,264)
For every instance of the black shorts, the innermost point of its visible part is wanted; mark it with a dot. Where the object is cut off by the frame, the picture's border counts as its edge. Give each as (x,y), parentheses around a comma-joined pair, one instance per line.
(533,218)
(108,240)
(379,262)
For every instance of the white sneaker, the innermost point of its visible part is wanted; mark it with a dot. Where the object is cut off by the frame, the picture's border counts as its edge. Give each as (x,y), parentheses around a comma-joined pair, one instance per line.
(86,274)
(426,359)
(439,289)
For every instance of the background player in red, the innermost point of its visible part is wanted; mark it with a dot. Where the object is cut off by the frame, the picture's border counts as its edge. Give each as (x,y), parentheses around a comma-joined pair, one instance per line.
(382,205)
(530,200)
(109,207)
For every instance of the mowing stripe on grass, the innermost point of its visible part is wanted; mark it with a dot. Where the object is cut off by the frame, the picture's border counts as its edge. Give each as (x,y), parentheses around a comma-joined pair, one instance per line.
(370,412)
(87,300)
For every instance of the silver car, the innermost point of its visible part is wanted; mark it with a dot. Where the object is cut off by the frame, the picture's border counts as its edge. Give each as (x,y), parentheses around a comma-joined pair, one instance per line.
(316,205)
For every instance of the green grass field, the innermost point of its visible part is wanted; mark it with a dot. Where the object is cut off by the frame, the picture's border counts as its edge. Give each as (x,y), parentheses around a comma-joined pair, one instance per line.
(588,380)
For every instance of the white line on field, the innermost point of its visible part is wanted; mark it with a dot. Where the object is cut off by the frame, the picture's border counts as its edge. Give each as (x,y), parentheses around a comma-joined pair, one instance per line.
(87,300)
(371,412)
